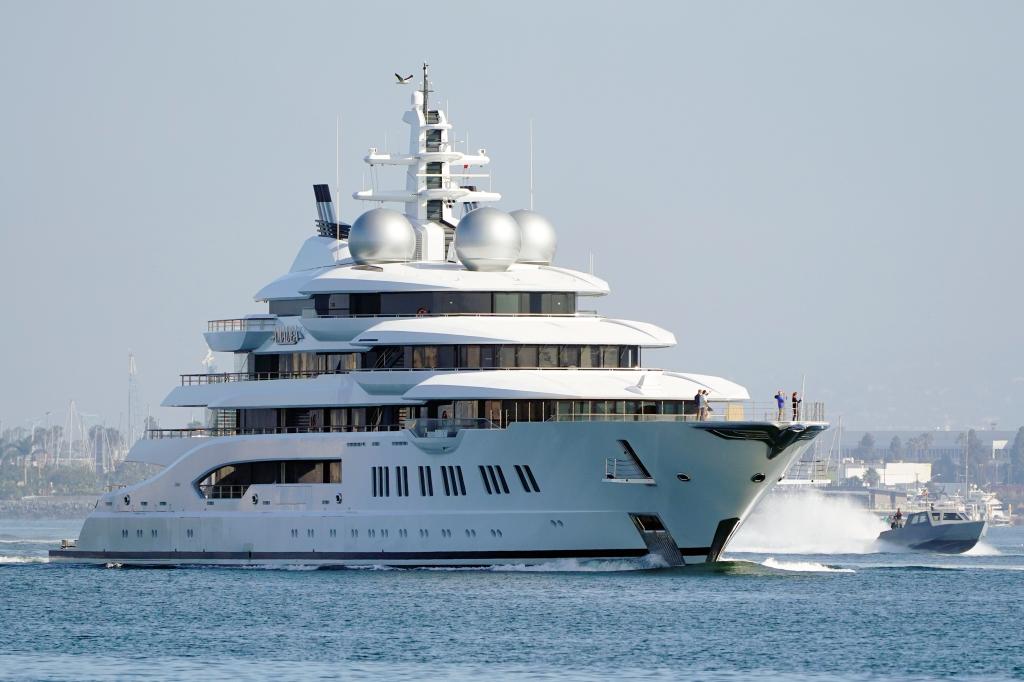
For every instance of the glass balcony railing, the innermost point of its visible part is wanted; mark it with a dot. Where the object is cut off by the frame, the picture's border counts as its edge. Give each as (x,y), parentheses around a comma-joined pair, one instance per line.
(243,324)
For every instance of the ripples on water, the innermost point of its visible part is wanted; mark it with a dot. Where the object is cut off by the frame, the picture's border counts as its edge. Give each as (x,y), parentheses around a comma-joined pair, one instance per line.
(768,613)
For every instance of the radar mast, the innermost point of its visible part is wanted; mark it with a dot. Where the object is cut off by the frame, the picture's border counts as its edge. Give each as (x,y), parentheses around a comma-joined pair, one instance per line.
(432,189)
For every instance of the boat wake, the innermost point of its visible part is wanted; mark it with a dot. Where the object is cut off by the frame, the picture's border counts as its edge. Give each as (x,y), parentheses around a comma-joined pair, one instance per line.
(808,522)
(802,566)
(983,549)
(4,559)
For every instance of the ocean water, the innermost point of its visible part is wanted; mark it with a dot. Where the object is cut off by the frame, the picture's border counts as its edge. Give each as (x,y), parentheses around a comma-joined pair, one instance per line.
(804,595)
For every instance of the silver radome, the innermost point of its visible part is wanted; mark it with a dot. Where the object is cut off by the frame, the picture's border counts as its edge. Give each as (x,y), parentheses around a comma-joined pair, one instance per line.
(487,239)
(382,236)
(538,237)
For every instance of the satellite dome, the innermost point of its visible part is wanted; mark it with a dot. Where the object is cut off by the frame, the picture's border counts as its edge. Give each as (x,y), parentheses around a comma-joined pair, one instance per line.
(487,239)
(538,237)
(381,236)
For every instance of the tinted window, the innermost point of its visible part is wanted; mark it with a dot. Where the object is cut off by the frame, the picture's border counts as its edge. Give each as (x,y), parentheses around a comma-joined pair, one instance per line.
(508,304)
(526,356)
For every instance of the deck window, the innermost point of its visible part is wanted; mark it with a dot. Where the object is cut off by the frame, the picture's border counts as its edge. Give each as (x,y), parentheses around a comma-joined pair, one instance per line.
(547,356)
(232,480)
(526,356)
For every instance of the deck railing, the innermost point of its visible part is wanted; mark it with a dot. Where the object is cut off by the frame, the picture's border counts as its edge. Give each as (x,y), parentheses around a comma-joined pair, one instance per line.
(578,313)
(244,324)
(223,492)
(717,411)
(445,428)
(202,432)
(231,377)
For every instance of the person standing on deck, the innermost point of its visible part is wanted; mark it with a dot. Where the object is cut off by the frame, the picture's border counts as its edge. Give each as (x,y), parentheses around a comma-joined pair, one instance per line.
(704,407)
(796,406)
(780,402)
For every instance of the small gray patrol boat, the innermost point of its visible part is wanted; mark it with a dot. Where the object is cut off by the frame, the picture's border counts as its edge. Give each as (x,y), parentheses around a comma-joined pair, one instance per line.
(949,532)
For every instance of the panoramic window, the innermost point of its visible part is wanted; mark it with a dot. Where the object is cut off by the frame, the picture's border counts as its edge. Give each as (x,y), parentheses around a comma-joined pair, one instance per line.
(442,303)
(231,480)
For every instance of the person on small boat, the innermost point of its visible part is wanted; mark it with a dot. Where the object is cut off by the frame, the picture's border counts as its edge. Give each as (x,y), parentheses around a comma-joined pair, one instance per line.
(897,519)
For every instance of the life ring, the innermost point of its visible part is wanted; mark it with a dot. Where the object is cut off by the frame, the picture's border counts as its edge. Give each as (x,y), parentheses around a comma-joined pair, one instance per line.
(127,500)
(337,498)
(255,498)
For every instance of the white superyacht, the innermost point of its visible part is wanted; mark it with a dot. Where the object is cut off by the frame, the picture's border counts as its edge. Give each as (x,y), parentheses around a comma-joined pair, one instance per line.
(425,389)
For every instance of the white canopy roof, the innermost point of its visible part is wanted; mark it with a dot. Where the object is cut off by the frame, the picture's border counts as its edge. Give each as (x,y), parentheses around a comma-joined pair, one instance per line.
(436,276)
(463,329)
(337,389)
(578,384)
(415,387)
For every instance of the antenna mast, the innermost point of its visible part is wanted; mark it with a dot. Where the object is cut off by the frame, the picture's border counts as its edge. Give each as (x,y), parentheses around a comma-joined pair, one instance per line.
(132,399)
(531,164)
(337,187)
(426,87)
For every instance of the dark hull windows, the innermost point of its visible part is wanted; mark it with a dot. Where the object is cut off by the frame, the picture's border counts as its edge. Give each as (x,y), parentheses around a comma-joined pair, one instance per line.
(454,483)
(290,307)
(500,412)
(319,420)
(504,357)
(426,482)
(231,480)
(494,479)
(297,365)
(380,481)
(503,412)
(402,481)
(445,303)
(526,478)
(300,365)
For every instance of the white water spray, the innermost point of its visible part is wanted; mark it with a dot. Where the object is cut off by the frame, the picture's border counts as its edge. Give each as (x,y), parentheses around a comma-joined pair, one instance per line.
(808,522)
(802,566)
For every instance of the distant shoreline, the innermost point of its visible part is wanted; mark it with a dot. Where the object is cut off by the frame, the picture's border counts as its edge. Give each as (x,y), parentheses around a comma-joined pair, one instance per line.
(48,507)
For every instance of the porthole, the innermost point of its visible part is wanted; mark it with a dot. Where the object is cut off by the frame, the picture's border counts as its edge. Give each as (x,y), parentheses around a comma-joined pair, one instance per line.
(127,500)
(337,498)
(757,478)
(683,477)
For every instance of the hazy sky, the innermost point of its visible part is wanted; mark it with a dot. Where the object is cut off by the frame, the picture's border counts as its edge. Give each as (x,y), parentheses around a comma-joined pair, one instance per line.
(793,188)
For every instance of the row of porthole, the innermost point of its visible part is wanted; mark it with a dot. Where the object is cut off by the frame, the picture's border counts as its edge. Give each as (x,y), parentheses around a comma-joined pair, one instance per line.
(128,501)
(424,533)
(756,478)
(139,532)
(557,523)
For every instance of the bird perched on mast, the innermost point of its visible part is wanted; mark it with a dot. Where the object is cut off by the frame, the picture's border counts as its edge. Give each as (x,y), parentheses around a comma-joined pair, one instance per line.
(403,80)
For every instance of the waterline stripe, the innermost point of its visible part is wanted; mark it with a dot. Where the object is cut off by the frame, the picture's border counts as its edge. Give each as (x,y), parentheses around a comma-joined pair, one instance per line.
(369,556)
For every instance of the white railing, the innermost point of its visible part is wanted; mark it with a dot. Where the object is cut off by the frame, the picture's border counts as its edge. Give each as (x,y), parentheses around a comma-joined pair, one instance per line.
(624,470)
(243,324)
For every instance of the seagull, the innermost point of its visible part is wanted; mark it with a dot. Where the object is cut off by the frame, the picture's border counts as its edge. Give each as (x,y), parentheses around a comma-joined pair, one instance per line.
(402,81)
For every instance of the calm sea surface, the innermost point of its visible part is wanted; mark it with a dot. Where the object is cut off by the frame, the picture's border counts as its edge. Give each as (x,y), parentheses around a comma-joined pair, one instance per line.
(855,615)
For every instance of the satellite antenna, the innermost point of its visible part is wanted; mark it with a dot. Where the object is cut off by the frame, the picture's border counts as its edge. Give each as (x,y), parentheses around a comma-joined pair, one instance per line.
(426,86)
(531,164)
(337,168)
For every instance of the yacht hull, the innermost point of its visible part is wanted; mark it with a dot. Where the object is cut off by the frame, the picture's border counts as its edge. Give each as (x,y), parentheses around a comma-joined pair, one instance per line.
(697,481)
